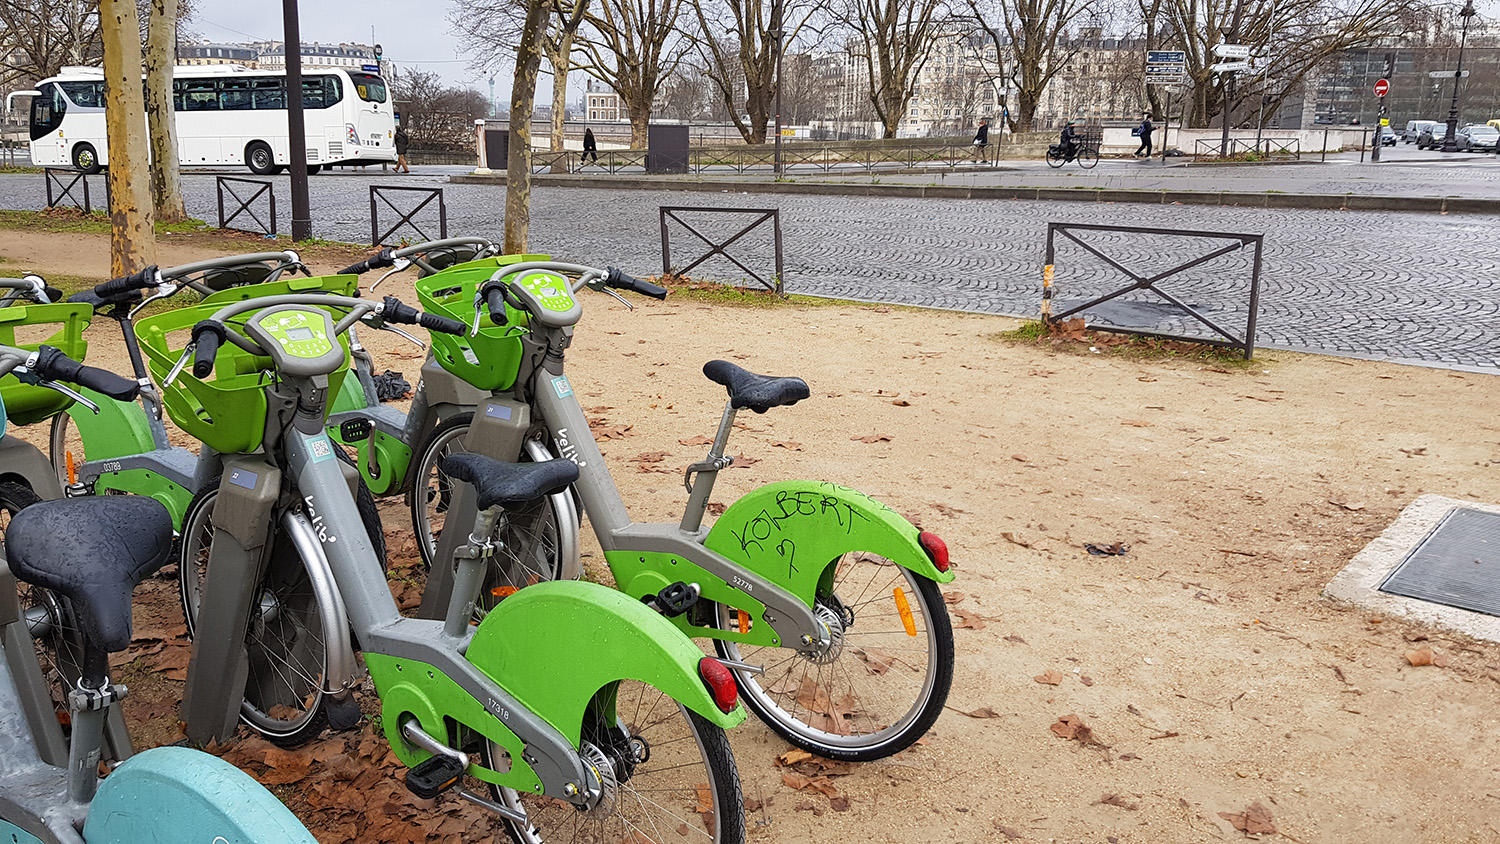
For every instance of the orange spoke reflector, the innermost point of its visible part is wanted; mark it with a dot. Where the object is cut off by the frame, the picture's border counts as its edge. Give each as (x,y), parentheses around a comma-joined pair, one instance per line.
(503,591)
(903,607)
(72,470)
(744,621)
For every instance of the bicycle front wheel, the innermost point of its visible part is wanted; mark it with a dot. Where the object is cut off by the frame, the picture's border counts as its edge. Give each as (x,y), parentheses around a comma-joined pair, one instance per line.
(1088,157)
(65,440)
(668,776)
(882,682)
(540,537)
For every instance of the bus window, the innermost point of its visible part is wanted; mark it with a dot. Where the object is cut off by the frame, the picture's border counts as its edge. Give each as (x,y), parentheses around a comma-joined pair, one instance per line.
(199,95)
(84,94)
(370,88)
(268,93)
(47,111)
(321,92)
(234,94)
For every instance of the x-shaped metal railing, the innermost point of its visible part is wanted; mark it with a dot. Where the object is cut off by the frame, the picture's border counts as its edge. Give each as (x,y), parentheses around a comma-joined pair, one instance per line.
(65,191)
(377,237)
(268,225)
(773,215)
(1139,281)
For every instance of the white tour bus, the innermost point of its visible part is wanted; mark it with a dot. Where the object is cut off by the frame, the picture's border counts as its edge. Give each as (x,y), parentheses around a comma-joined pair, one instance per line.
(226,115)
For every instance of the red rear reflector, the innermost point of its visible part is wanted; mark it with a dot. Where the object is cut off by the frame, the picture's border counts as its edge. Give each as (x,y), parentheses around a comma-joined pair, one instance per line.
(720,683)
(937,549)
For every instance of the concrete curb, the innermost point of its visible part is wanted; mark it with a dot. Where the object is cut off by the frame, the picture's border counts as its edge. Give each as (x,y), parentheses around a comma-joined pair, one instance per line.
(1305,201)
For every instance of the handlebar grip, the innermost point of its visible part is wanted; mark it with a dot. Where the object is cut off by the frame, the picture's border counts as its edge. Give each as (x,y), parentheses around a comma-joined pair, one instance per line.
(208,336)
(618,279)
(381,260)
(434,322)
(53,294)
(494,296)
(53,365)
(124,284)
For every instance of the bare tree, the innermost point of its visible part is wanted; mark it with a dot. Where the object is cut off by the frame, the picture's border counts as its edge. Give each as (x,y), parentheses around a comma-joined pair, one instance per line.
(132,235)
(522,105)
(436,116)
(736,40)
(557,49)
(38,37)
(808,86)
(633,46)
(686,95)
(161,49)
(1034,33)
(892,40)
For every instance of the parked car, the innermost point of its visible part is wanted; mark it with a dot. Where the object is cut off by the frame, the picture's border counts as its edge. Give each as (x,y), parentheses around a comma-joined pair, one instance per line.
(1433,136)
(1387,136)
(1414,128)
(1478,137)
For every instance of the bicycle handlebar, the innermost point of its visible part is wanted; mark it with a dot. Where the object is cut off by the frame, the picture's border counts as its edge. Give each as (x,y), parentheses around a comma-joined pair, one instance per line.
(616,278)
(495,292)
(286,257)
(52,365)
(385,258)
(149,277)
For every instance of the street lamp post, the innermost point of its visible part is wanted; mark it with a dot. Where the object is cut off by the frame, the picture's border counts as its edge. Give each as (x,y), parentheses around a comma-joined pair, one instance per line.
(1450,144)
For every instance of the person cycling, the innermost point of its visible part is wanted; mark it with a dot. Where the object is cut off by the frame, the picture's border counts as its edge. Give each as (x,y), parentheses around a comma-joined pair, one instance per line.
(1069,141)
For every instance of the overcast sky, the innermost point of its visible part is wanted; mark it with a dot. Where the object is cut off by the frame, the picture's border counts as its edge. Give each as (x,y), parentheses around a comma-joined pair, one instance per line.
(413,33)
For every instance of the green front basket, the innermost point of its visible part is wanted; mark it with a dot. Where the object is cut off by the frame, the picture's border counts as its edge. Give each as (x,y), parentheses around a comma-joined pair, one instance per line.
(227,410)
(24,403)
(490,359)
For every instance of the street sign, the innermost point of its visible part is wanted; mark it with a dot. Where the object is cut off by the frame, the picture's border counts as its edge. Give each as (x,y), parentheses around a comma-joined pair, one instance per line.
(1232,51)
(1166,57)
(1449,74)
(1230,67)
(371,68)
(1167,80)
(1382,87)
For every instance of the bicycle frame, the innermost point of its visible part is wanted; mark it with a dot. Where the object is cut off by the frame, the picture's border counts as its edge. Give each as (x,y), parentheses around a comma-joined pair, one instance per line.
(432,683)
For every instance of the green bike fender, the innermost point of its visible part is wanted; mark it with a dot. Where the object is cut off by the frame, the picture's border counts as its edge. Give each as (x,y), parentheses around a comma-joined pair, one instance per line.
(790,532)
(119,429)
(555,644)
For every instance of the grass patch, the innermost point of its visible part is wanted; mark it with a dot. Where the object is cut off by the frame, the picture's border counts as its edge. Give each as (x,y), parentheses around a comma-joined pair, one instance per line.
(1072,338)
(711,293)
(14,169)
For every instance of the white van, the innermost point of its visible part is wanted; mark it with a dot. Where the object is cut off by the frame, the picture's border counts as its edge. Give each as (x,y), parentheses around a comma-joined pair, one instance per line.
(1414,128)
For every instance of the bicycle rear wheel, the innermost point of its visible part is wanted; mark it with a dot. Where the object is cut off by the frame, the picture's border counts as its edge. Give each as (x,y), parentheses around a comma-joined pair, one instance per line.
(668,775)
(49,618)
(1055,158)
(878,687)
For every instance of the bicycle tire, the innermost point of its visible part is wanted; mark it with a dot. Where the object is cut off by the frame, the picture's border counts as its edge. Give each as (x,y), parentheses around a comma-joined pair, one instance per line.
(540,539)
(711,781)
(1088,157)
(814,717)
(63,430)
(285,640)
(1055,159)
(58,639)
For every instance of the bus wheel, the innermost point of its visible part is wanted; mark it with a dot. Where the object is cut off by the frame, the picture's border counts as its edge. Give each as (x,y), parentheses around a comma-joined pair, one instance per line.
(85,158)
(312,169)
(259,159)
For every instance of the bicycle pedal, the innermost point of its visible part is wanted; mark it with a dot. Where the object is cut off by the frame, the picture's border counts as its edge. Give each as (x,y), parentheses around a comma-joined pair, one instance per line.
(355,430)
(433,776)
(675,599)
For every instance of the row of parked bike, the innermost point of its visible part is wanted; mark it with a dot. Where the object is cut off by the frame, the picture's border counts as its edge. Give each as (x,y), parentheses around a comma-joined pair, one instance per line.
(573,711)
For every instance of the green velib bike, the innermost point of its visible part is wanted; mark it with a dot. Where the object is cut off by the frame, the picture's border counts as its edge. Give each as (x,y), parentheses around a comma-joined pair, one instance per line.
(824,601)
(592,717)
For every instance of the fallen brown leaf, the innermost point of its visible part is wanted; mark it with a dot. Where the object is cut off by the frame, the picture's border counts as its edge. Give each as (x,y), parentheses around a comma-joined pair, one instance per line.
(1072,727)
(742,462)
(789,446)
(1355,507)
(982,712)
(873,438)
(901,403)
(1255,820)
(1009,536)
(953,597)
(698,440)
(1053,677)
(969,620)
(650,457)
(792,757)
(1135,423)
(1428,656)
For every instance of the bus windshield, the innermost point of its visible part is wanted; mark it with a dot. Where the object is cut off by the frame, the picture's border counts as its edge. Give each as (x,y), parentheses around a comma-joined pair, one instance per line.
(370,88)
(47,110)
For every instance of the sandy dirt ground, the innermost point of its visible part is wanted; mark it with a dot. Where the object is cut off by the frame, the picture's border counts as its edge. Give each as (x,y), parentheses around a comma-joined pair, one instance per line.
(1212,674)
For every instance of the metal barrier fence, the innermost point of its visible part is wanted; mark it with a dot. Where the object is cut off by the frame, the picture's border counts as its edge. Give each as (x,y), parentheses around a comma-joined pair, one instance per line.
(795,157)
(226,183)
(670,212)
(378,237)
(76,180)
(1268,148)
(1140,282)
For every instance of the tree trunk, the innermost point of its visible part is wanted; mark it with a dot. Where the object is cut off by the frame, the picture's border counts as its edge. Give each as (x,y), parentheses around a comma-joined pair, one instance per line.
(560,62)
(640,125)
(522,105)
(161,50)
(132,237)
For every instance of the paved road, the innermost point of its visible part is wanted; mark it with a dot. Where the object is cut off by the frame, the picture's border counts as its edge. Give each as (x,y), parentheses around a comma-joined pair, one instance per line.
(1418,287)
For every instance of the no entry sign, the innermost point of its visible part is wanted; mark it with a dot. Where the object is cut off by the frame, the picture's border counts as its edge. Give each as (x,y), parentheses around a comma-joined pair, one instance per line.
(1382,87)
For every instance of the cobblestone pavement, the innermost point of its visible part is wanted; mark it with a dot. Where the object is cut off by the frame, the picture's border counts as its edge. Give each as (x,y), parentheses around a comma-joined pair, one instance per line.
(1418,287)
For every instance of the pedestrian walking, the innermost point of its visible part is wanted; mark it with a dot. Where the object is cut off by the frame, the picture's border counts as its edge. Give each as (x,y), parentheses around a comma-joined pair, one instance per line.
(1145,130)
(590,147)
(402,141)
(981,140)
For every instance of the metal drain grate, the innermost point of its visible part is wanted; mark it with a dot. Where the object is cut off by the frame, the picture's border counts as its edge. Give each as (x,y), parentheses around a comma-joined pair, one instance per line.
(1456,565)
